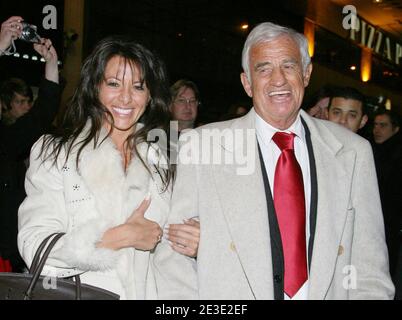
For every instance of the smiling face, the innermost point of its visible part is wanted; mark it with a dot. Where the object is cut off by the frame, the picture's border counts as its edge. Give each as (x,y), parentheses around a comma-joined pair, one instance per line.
(277,81)
(123,94)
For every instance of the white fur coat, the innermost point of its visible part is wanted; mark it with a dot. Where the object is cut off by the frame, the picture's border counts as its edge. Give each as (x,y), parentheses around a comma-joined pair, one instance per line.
(84,204)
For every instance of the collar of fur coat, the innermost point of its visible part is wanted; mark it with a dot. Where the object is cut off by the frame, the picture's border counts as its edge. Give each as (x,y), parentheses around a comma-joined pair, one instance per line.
(116,190)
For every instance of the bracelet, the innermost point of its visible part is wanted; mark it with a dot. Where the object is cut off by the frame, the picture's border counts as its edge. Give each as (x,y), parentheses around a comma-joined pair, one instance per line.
(8,52)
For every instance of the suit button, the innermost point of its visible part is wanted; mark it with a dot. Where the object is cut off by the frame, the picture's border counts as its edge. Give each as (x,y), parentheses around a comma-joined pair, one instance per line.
(340,250)
(278,278)
(232,246)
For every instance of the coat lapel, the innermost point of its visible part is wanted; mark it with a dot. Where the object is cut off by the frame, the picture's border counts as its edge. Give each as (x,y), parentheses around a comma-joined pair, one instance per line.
(245,209)
(333,188)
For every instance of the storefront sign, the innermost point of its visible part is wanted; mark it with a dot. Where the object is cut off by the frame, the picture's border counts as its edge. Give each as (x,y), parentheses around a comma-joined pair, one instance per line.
(376,39)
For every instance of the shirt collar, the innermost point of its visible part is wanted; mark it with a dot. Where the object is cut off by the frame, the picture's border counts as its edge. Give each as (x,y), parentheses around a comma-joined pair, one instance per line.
(265,131)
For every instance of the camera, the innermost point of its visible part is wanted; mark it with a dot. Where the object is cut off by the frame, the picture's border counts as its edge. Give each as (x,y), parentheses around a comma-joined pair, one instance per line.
(29,33)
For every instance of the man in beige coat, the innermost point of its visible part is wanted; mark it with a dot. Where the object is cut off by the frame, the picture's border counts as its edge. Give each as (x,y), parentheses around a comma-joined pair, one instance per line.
(226,177)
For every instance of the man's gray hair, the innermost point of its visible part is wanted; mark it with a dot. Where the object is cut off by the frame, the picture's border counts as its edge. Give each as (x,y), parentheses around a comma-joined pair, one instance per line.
(267,31)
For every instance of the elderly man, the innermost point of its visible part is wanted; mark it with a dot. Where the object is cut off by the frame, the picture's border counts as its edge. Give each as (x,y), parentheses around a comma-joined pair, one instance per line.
(303,220)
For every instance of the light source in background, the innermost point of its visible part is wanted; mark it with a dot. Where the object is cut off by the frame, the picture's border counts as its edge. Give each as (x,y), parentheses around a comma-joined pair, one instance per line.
(365,64)
(244,26)
(388,105)
(309,32)
(353,68)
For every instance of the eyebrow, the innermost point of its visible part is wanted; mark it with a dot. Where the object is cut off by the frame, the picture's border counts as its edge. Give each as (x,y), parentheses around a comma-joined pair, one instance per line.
(340,108)
(118,79)
(291,60)
(263,64)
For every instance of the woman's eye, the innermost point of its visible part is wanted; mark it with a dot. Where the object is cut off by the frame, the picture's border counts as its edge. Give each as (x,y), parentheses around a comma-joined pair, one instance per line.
(139,87)
(112,84)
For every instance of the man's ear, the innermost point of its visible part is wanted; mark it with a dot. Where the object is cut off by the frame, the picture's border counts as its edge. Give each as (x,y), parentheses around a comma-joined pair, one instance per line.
(363,121)
(246,84)
(307,74)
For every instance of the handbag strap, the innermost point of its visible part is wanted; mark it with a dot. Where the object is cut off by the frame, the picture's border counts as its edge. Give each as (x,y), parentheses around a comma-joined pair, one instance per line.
(36,268)
(38,253)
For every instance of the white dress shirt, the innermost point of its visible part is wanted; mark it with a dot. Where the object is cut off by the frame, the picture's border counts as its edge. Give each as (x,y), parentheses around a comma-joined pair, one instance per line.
(270,153)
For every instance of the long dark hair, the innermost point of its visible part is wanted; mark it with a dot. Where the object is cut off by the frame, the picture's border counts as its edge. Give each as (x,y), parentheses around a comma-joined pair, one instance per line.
(85,103)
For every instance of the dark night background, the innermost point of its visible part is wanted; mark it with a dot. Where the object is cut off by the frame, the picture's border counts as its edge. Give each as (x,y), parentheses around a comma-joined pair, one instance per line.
(199,39)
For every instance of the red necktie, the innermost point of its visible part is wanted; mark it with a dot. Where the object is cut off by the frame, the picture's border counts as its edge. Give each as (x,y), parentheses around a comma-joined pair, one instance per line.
(291,213)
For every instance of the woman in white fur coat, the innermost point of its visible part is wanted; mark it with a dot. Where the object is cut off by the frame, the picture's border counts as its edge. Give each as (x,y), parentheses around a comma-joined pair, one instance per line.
(100,181)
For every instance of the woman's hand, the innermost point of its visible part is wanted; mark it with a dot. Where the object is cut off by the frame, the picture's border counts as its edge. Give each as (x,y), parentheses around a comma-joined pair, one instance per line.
(184,238)
(48,52)
(144,233)
(10,30)
(137,232)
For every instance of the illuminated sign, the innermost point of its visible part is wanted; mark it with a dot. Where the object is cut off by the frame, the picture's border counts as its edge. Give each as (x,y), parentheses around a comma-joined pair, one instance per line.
(375,39)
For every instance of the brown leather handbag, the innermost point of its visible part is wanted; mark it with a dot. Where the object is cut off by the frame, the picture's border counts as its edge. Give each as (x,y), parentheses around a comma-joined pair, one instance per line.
(28,286)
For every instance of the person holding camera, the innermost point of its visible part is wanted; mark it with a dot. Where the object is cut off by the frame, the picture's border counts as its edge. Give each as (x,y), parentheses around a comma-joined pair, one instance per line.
(22,124)
(11,30)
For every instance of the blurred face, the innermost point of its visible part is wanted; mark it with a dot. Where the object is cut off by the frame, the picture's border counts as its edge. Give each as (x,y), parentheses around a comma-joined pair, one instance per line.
(20,105)
(122,93)
(383,129)
(320,109)
(277,81)
(241,111)
(348,113)
(323,103)
(185,106)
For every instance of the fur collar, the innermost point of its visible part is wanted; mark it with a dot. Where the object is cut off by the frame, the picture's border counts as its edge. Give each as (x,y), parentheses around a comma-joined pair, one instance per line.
(117,192)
